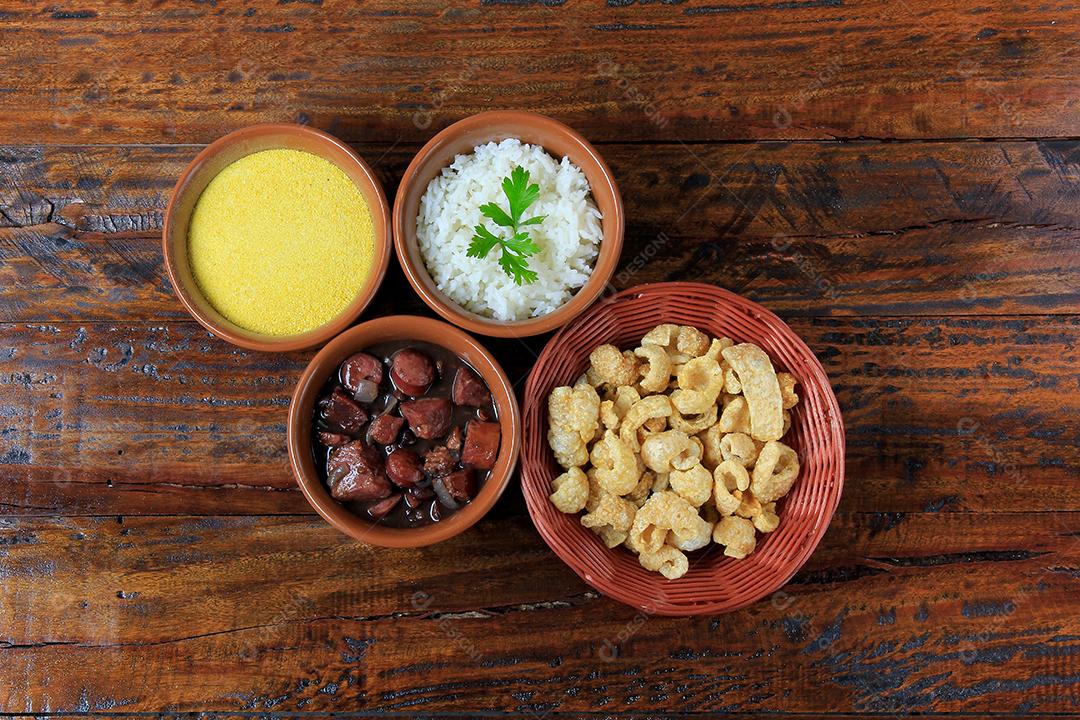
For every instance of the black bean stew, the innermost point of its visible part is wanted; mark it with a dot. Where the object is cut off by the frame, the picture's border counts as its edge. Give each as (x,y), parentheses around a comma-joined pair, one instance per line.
(405,434)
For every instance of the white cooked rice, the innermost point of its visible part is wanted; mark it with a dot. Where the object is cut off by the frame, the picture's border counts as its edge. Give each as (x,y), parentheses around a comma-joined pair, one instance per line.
(569,237)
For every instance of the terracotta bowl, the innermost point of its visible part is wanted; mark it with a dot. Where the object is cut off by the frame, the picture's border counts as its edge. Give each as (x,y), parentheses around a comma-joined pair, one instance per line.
(714,583)
(212,160)
(462,137)
(325,364)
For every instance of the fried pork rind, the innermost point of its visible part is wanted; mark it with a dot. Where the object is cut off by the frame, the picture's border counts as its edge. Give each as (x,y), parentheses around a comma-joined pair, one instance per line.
(662,450)
(613,411)
(613,511)
(775,472)
(595,491)
(610,365)
(573,415)
(662,512)
(694,485)
(767,520)
(698,537)
(570,491)
(736,534)
(736,416)
(668,561)
(697,459)
(749,506)
(656,374)
(653,406)
(610,536)
(692,424)
(646,535)
(681,341)
(731,382)
(641,491)
(760,388)
(653,426)
(710,441)
(700,383)
(717,347)
(608,416)
(787,389)
(739,447)
(729,478)
(617,468)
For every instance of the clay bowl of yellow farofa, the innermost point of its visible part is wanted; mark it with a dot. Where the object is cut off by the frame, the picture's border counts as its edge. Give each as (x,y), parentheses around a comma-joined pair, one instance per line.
(276,237)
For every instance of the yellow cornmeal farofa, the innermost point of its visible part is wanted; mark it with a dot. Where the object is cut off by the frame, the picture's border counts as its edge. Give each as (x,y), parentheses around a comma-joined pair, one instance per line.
(281,241)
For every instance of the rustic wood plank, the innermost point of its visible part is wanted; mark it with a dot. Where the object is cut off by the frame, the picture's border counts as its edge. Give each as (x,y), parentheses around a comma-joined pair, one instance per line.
(98,418)
(805,228)
(950,611)
(627,71)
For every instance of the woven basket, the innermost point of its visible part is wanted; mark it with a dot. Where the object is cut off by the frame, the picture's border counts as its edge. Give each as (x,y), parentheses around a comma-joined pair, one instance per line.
(714,583)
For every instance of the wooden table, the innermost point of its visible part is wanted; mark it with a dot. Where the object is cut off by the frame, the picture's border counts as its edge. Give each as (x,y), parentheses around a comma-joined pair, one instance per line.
(899,181)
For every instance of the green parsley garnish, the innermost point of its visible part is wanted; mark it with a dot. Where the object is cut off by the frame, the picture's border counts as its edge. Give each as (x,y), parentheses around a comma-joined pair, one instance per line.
(519,246)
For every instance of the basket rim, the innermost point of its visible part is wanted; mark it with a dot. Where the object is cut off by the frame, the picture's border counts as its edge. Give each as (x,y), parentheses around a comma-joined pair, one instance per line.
(828,422)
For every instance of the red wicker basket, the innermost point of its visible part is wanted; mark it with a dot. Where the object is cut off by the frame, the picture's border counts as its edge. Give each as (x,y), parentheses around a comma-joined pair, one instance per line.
(714,583)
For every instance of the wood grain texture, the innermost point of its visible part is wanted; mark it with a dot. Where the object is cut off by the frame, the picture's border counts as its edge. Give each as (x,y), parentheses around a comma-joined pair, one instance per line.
(155,555)
(950,611)
(625,71)
(804,228)
(98,418)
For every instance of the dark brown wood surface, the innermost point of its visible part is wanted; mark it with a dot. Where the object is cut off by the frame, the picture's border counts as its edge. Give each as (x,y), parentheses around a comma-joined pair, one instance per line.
(899,181)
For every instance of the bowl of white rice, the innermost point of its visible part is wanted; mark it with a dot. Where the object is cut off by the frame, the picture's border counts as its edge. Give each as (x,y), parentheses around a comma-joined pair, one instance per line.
(574,229)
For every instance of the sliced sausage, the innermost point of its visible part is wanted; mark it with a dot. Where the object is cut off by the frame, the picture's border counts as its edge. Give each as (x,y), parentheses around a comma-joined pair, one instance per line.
(438,461)
(360,366)
(429,418)
(330,439)
(403,468)
(469,389)
(385,428)
(355,472)
(342,413)
(382,508)
(481,444)
(412,371)
(461,485)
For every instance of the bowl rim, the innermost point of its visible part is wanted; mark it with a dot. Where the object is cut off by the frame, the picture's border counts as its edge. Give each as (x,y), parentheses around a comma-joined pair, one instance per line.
(611,242)
(381,220)
(356,339)
(532,476)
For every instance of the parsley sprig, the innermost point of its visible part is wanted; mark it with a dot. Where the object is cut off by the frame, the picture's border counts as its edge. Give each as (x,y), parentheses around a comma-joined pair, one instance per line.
(517,248)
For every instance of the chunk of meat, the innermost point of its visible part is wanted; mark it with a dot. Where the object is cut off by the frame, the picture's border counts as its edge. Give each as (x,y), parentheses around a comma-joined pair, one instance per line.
(469,389)
(330,439)
(385,428)
(481,444)
(403,468)
(355,472)
(412,371)
(461,485)
(429,418)
(342,413)
(382,508)
(453,440)
(439,461)
(360,366)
